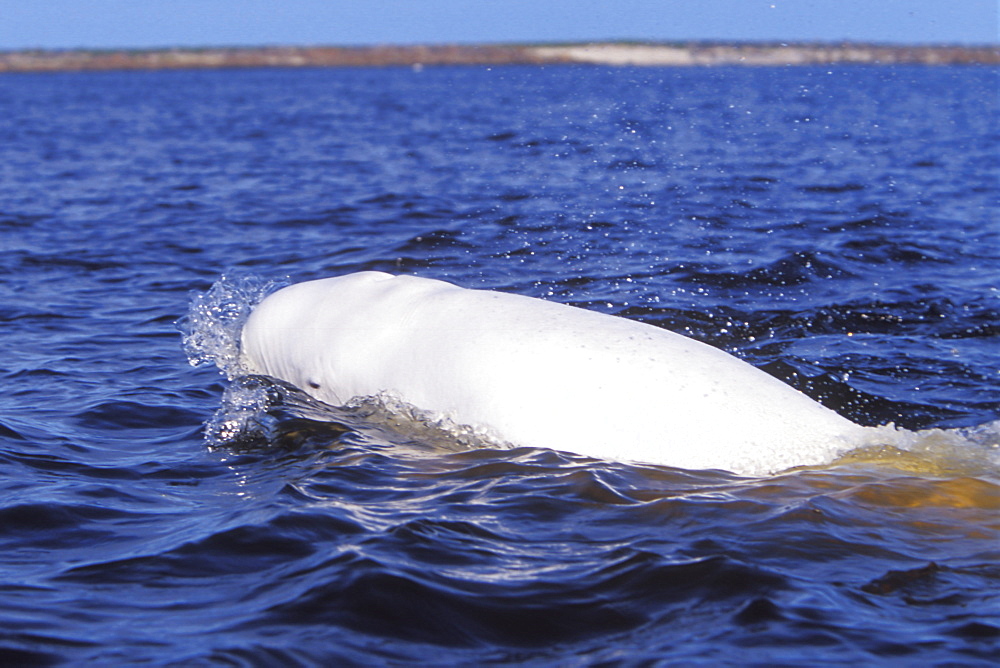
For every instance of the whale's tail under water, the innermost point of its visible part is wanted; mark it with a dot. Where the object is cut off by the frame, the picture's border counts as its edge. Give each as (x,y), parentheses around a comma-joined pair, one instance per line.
(410,360)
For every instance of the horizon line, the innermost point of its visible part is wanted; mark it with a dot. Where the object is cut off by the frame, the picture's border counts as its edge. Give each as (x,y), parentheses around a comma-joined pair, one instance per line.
(516,43)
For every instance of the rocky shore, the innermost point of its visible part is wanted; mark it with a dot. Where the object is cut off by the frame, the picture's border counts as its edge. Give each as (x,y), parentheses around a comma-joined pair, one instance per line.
(641,54)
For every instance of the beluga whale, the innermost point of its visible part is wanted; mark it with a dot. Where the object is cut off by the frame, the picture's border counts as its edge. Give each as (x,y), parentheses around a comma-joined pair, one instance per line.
(531,372)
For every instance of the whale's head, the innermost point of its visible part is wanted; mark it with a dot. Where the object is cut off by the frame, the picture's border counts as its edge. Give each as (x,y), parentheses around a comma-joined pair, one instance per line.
(308,335)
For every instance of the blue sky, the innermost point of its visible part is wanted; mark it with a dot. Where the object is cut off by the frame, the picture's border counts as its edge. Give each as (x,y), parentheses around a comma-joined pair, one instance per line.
(154,23)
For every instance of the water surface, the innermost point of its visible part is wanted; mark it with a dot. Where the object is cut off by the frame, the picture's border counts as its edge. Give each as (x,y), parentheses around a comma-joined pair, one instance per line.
(835,226)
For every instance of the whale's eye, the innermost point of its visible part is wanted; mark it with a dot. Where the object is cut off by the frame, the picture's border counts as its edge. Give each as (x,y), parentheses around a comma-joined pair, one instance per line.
(313,384)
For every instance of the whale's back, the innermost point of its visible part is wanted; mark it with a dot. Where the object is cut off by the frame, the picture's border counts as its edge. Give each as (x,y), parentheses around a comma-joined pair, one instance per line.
(537,373)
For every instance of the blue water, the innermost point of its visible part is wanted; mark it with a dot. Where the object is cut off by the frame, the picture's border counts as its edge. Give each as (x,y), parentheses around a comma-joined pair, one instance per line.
(837,227)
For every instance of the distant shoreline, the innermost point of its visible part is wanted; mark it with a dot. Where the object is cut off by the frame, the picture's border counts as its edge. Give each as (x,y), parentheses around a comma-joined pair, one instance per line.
(596,53)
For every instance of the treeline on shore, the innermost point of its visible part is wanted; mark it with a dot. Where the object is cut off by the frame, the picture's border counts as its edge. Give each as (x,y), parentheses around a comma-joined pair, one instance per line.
(607,53)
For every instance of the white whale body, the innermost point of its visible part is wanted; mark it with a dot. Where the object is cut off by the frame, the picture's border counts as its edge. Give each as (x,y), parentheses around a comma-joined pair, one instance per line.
(535,373)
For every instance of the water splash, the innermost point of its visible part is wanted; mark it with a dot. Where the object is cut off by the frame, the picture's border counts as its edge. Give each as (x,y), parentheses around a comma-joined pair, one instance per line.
(242,419)
(211,329)
(211,335)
